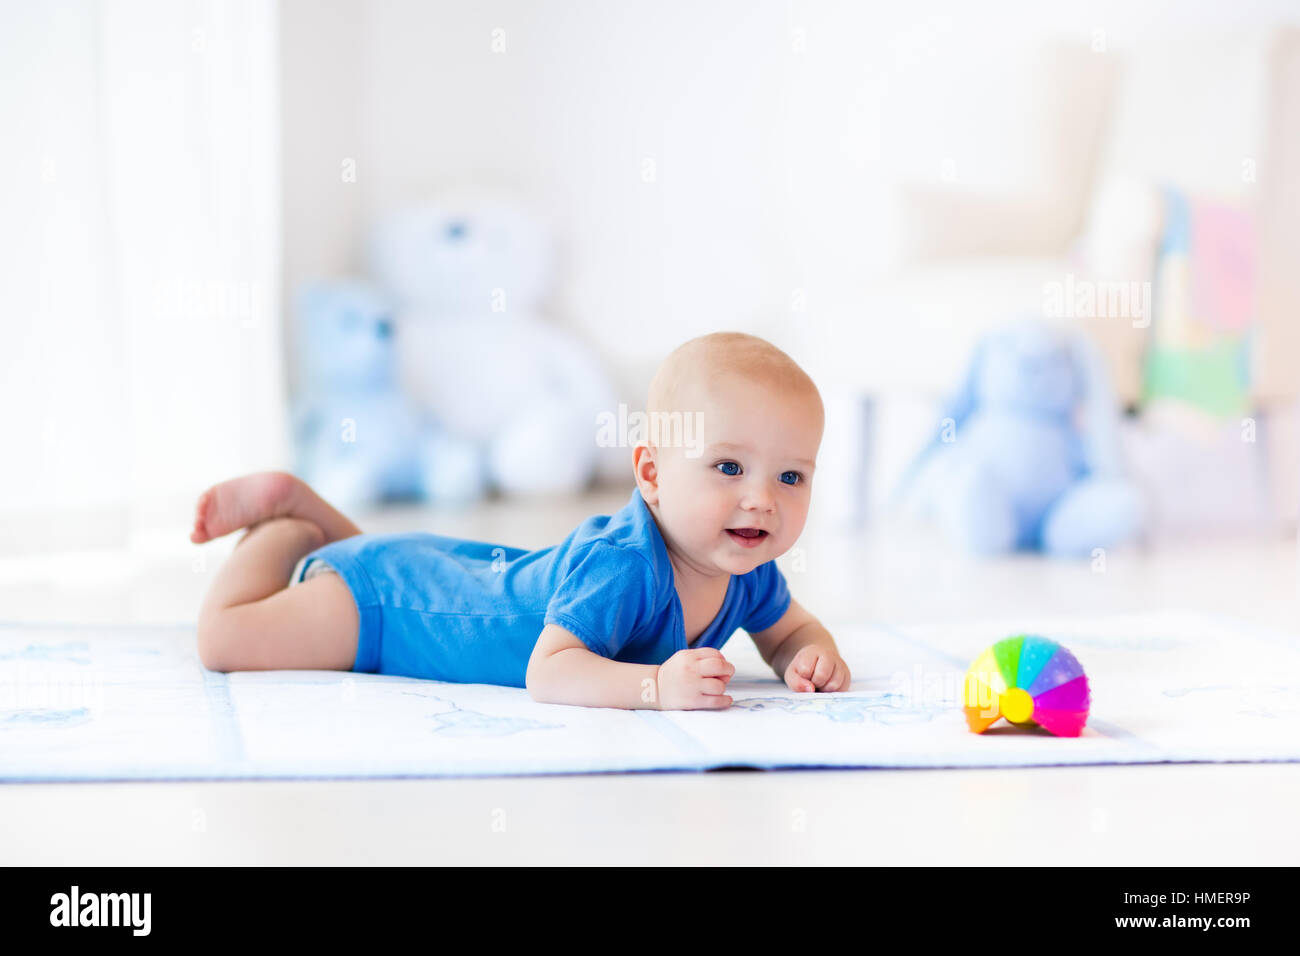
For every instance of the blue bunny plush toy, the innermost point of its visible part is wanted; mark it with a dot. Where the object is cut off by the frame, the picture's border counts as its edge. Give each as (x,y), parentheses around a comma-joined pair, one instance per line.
(1028,452)
(359,440)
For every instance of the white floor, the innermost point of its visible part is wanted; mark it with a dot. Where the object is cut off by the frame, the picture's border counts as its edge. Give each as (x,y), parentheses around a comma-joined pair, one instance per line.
(1157,814)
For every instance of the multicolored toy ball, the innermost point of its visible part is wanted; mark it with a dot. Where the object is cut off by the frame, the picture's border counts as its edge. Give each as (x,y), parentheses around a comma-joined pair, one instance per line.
(1028,680)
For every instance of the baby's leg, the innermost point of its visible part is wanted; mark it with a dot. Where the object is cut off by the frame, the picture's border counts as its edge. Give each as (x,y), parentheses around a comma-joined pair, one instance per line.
(249,499)
(251,620)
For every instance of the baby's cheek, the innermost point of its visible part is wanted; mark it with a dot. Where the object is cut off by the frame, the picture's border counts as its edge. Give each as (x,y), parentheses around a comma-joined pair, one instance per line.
(705,516)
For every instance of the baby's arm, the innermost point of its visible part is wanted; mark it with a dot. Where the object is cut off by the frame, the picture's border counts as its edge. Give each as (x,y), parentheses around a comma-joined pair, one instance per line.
(562,670)
(802,652)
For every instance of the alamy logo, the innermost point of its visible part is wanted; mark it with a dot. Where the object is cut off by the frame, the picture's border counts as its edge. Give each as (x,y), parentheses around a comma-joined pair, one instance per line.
(1088,299)
(664,429)
(102,909)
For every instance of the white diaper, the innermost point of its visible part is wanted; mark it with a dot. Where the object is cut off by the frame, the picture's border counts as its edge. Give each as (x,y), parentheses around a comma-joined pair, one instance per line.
(317,567)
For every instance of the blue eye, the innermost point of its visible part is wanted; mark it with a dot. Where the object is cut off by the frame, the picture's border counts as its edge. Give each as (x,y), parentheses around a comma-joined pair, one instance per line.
(797,477)
(723,464)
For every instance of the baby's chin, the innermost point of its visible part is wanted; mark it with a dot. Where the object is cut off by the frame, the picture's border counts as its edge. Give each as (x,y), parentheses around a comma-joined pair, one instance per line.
(738,559)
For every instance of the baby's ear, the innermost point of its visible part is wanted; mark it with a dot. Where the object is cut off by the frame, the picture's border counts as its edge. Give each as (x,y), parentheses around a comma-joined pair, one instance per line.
(649,493)
(644,468)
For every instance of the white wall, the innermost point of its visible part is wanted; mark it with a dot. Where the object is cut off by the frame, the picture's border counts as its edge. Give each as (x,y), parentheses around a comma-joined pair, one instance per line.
(321,75)
(139,349)
(778,133)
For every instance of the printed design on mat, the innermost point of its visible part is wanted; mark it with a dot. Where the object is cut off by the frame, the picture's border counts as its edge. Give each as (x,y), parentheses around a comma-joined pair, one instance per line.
(888,709)
(68,652)
(458,722)
(44,717)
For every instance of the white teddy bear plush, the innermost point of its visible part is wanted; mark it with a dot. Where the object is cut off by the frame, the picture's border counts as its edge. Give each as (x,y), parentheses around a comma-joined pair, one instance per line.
(469,276)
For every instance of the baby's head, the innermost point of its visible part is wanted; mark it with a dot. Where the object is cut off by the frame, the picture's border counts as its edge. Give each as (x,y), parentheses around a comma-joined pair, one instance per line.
(751,423)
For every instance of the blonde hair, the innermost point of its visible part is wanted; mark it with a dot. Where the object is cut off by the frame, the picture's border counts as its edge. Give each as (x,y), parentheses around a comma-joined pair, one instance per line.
(725,354)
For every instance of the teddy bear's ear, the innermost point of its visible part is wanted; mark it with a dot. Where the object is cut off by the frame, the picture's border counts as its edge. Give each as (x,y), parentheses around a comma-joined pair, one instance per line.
(962,401)
(1098,410)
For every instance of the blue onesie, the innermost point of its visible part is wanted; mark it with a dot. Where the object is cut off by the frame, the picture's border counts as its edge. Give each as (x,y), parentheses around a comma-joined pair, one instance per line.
(466,611)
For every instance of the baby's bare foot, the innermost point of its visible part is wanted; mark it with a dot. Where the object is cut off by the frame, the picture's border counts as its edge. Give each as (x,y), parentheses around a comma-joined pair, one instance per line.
(241,502)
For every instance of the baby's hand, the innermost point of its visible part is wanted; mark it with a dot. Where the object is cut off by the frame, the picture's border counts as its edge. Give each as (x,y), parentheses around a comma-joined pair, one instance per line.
(694,679)
(817,668)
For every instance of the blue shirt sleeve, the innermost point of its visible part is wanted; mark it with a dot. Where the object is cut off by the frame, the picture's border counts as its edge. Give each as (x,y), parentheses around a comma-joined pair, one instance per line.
(769,598)
(606,594)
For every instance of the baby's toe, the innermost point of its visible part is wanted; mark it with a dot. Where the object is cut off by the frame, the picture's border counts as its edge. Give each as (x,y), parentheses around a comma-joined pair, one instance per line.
(200,532)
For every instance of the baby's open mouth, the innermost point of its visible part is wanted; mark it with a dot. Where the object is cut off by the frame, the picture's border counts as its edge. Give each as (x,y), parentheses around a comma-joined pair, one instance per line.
(748,537)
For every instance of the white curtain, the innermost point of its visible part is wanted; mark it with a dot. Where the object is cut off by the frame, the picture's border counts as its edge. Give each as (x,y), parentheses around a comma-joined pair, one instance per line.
(140,355)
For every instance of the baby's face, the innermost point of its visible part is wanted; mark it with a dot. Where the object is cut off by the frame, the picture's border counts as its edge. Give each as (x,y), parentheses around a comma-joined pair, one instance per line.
(751,467)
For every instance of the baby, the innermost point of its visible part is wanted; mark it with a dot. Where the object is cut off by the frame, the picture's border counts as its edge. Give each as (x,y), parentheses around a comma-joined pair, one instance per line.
(629,611)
